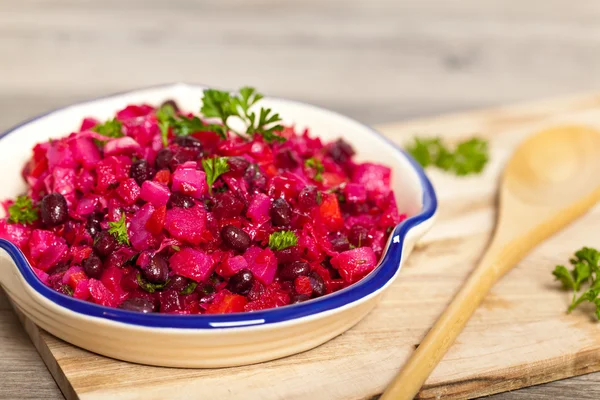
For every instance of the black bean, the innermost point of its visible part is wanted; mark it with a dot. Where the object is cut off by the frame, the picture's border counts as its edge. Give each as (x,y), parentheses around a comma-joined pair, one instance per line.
(341,151)
(92,266)
(187,141)
(298,298)
(105,243)
(180,200)
(157,270)
(241,282)
(163,159)
(139,305)
(140,171)
(291,271)
(227,205)
(318,286)
(237,165)
(235,238)
(53,209)
(177,283)
(288,255)
(359,236)
(340,243)
(309,197)
(93,223)
(281,213)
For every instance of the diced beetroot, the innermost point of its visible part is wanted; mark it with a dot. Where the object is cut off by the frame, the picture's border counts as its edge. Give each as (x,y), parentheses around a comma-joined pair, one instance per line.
(79,253)
(330,212)
(193,264)
(82,290)
(139,236)
(18,234)
(88,123)
(355,193)
(133,111)
(186,224)
(189,181)
(110,171)
(156,193)
(84,181)
(156,223)
(374,177)
(232,265)
(163,176)
(262,263)
(101,295)
(122,145)
(46,249)
(60,155)
(64,182)
(355,264)
(128,191)
(226,302)
(303,286)
(111,278)
(73,276)
(41,275)
(258,209)
(85,152)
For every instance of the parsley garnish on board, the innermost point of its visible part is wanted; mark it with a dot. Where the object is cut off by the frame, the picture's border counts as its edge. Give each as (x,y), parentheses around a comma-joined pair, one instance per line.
(282,240)
(119,230)
(214,167)
(585,269)
(469,157)
(22,211)
(111,128)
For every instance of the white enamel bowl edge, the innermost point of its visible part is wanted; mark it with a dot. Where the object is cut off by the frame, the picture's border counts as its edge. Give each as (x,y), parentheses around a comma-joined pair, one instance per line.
(210,341)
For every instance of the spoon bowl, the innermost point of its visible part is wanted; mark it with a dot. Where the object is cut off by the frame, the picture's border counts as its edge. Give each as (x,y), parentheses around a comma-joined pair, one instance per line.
(552,179)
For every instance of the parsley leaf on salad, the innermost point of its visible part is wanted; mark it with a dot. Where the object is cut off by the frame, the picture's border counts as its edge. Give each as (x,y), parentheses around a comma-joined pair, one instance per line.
(119,230)
(22,211)
(113,128)
(214,167)
(282,240)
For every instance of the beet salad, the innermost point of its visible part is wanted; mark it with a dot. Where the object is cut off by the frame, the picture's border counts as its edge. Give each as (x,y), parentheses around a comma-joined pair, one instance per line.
(159,210)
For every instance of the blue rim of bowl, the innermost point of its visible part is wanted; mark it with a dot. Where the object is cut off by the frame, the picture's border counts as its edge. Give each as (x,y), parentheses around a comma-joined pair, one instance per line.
(383,273)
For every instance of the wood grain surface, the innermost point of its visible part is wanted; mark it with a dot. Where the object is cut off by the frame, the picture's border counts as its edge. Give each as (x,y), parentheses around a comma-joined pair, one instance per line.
(376,60)
(519,337)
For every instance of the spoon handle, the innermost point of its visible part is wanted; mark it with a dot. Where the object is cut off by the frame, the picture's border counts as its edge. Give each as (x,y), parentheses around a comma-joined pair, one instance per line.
(443,334)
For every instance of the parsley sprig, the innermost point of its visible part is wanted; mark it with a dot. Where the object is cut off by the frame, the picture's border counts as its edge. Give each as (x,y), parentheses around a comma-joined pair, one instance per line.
(113,128)
(148,286)
(119,230)
(180,125)
(282,240)
(317,166)
(585,269)
(223,105)
(23,211)
(469,157)
(214,167)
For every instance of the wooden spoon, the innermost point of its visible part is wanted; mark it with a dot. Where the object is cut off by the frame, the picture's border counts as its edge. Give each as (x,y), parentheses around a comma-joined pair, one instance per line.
(552,179)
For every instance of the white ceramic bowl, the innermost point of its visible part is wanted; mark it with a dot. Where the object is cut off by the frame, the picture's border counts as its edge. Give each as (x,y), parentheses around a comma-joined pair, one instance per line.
(210,340)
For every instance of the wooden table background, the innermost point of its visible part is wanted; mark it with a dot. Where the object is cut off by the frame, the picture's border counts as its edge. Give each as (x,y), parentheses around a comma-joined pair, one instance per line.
(376,60)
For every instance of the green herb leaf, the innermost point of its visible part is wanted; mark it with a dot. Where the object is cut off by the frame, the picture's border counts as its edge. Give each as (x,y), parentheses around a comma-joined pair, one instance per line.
(176,248)
(282,240)
(469,157)
(223,105)
(317,166)
(165,116)
(111,128)
(562,274)
(149,287)
(119,230)
(189,289)
(585,269)
(214,167)
(22,211)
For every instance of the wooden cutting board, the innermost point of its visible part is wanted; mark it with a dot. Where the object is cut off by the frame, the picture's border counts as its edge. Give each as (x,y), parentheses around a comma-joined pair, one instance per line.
(520,336)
